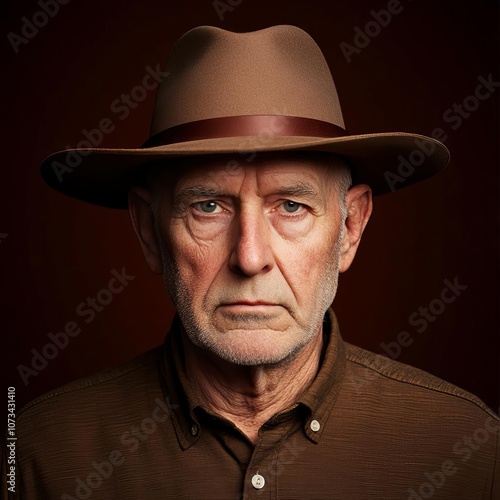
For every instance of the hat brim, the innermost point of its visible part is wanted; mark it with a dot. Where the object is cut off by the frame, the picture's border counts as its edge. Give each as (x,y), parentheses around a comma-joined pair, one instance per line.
(384,161)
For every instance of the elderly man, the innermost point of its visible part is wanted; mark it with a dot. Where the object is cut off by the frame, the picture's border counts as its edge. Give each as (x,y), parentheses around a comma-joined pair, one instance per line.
(250,198)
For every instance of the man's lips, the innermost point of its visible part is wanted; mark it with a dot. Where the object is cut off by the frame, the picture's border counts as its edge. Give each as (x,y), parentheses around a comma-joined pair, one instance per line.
(249,306)
(256,311)
(250,303)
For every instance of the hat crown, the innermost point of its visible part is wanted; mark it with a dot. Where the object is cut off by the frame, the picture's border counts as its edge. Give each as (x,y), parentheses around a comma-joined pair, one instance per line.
(216,73)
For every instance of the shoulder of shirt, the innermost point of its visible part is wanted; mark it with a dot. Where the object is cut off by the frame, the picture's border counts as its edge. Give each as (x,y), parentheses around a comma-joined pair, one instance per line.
(81,388)
(407,374)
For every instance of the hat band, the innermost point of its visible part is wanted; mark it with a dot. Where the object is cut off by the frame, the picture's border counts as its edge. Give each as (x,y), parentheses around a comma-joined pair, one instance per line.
(247,125)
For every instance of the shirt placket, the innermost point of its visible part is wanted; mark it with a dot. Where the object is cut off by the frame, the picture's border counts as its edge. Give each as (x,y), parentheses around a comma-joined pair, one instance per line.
(273,454)
(260,480)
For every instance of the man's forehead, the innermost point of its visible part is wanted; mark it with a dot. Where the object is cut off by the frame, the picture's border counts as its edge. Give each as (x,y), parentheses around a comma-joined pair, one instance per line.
(297,167)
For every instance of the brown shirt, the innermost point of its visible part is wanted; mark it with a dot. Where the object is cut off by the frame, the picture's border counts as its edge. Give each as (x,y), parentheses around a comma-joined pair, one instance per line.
(367,428)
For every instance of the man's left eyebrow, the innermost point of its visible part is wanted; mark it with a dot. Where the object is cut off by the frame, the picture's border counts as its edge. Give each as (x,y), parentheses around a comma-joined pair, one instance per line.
(301,189)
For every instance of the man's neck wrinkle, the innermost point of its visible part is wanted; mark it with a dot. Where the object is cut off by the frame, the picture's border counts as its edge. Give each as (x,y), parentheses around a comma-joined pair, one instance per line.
(249,396)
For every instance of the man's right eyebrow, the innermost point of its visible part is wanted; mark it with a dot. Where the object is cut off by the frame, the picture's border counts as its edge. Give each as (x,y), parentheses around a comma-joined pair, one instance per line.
(184,195)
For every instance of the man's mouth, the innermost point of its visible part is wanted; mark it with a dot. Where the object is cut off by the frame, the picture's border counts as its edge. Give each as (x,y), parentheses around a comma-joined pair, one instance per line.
(249,307)
(250,303)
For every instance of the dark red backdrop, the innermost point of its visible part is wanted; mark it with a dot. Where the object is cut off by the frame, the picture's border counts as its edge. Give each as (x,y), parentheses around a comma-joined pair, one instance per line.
(58,251)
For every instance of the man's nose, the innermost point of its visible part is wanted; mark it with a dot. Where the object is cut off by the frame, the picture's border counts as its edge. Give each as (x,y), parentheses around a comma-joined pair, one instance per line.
(251,253)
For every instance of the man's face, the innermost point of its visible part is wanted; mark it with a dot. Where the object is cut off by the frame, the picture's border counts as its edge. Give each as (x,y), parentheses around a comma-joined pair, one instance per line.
(251,255)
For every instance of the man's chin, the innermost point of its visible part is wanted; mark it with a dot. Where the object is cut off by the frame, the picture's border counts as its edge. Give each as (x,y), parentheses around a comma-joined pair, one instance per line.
(247,347)
(251,319)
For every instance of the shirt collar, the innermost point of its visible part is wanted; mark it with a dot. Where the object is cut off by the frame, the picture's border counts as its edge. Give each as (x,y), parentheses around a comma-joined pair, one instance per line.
(321,395)
(318,399)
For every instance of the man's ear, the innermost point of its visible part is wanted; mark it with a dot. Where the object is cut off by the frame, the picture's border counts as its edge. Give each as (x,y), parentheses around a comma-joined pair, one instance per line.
(359,208)
(142,217)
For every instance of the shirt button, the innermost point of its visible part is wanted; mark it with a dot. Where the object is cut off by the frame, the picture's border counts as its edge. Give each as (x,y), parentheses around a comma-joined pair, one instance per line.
(314,425)
(194,429)
(258,481)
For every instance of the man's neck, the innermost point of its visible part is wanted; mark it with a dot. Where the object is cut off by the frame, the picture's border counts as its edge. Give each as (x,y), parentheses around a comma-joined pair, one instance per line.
(248,396)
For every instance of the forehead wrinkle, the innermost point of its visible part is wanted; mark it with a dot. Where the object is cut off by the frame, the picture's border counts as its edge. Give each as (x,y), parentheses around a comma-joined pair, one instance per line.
(287,183)
(196,191)
(182,198)
(301,189)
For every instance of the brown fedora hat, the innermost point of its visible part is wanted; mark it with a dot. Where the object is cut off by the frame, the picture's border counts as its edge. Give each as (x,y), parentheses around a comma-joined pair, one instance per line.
(225,92)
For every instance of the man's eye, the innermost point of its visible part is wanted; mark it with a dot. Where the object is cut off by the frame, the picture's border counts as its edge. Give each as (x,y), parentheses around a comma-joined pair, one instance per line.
(208,207)
(291,206)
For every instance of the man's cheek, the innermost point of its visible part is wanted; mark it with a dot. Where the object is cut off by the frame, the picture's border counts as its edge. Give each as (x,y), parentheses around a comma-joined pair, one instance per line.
(295,232)
(197,242)
(317,263)
(200,260)
(189,229)
(206,232)
(303,275)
